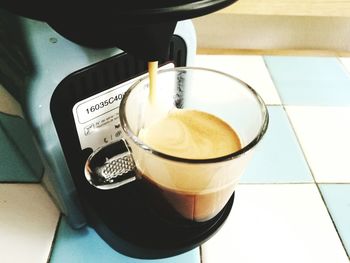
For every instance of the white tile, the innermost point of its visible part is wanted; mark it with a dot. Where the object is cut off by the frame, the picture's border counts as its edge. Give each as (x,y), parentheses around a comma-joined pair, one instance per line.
(28,220)
(346,62)
(324,135)
(276,223)
(250,69)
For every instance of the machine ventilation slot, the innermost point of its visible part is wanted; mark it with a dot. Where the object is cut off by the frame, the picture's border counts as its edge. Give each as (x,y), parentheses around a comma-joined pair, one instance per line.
(96,80)
(179,58)
(127,67)
(171,51)
(106,77)
(118,68)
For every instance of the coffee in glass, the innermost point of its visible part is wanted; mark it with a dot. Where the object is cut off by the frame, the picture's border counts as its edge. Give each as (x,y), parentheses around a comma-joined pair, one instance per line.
(192,145)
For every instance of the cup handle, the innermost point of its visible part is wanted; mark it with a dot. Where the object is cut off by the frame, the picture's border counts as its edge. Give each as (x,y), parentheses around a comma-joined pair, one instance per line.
(110,166)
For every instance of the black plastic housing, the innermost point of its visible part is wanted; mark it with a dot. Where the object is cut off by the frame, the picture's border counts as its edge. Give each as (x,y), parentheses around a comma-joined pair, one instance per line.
(141,28)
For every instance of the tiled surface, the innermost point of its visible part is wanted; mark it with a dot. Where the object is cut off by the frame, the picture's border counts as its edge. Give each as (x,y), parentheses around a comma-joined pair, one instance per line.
(277,223)
(346,63)
(28,221)
(324,135)
(278,158)
(283,211)
(337,197)
(250,69)
(86,246)
(316,81)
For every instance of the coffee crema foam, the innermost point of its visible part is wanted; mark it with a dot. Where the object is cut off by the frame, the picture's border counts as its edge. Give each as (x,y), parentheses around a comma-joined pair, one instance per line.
(191,134)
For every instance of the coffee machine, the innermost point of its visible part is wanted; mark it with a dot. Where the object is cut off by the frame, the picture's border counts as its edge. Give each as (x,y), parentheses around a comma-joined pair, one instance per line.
(69,68)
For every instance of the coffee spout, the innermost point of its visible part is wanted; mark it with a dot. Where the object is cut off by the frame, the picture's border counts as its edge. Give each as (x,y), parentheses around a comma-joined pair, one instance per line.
(149,42)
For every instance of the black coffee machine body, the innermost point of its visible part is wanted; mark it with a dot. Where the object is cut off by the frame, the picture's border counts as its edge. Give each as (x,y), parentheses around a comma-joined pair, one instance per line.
(70,85)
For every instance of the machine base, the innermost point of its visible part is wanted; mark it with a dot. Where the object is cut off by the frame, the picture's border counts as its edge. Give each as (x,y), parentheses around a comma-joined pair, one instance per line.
(124,220)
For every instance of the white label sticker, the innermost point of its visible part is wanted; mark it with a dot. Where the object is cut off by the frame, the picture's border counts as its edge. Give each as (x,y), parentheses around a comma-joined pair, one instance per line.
(97,117)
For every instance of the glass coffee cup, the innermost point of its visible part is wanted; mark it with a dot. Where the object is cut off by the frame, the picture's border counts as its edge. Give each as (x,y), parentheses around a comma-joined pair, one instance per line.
(183,187)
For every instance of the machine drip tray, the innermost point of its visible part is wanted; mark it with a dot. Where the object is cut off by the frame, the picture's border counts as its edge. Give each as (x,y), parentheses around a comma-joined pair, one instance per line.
(122,218)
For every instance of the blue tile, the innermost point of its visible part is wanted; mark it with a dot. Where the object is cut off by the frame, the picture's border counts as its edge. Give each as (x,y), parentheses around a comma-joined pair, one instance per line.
(337,198)
(75,246)
(278,158)
(317,81)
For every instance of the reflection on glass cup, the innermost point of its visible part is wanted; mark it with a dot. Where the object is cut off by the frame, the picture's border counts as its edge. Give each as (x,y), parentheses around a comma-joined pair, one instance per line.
(180,187)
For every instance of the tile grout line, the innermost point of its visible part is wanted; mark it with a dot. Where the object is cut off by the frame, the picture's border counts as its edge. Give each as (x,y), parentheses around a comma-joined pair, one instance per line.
(289,120)
(282,105)
(304,155)
(343,66)
(200,254)
(314,178)
(54,238)
(335,227)
(273,82)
